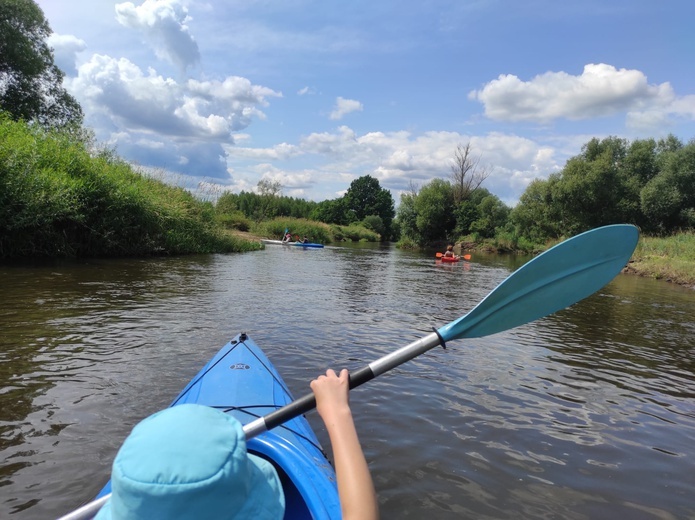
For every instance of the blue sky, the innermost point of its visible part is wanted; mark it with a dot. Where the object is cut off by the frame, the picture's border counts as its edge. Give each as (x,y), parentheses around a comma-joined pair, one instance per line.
(314,94)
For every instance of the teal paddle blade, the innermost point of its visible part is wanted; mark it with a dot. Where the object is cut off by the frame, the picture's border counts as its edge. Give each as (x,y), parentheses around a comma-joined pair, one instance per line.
(561,276)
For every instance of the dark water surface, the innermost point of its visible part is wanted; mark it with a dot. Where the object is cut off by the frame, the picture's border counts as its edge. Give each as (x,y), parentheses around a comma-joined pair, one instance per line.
(587,414)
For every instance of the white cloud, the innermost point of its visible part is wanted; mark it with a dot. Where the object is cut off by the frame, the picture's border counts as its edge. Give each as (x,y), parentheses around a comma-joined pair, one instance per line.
(282,151)
(306,91)
(163,24)
(120,92)
(345,106)
(600,90)
(65,50)
(396,159)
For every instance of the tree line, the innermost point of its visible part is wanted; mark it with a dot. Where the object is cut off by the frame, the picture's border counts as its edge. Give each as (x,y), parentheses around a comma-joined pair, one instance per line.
(646,182)
(365,203)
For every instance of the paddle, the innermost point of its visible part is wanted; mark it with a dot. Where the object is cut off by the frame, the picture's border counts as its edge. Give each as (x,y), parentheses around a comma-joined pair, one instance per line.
(558,278)
(465,257)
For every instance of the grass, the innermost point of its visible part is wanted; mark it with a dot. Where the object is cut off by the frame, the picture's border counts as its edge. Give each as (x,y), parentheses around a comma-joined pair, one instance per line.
(669,258)
(59,198)
(318,232)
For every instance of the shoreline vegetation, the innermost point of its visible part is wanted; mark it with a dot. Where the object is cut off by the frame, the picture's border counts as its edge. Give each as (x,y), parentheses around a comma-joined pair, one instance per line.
(62,197)
(671,258)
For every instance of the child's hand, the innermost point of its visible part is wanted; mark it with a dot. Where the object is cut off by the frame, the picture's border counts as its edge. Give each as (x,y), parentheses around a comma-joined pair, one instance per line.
(331,393)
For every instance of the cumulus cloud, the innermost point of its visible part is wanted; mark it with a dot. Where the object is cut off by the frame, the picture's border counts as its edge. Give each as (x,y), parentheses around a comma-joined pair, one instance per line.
(158,121)
(130,98)
(345,106)
(65,50)
(600,90)
(163,24)
(306,91)
(397,159)
(282,151)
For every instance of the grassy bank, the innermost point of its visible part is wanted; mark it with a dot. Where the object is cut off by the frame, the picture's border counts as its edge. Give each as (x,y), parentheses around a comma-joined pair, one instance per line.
(58,198)
(664,258)
(670,258)
(314,231)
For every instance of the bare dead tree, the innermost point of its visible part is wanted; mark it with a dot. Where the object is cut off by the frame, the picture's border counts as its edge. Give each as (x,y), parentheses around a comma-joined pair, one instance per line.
(466,172)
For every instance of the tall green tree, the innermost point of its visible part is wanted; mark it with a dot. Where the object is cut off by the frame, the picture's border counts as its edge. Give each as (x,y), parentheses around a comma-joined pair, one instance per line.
(332,211)
(537,216)
(365,197)
(493,215)
(435,220)
(31,85)
(668,199)
(407,216)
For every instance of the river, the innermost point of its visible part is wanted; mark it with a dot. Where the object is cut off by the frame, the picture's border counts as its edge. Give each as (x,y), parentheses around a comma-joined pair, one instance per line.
(586,414)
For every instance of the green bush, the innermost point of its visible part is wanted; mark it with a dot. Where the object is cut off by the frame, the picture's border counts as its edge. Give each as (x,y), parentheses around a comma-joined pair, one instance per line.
(317,232)
(59,200)
(235,220)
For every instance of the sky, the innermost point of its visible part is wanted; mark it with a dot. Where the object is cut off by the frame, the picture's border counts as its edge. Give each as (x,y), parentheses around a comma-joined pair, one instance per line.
(220,94)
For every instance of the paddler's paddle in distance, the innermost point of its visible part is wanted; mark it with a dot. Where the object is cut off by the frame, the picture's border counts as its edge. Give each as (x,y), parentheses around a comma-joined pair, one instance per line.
(465,257)
(561,276)
(558,278)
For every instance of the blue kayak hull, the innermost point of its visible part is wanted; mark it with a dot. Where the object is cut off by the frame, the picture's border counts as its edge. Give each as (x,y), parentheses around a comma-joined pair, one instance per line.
(307,244)
(299,244)
(241,381)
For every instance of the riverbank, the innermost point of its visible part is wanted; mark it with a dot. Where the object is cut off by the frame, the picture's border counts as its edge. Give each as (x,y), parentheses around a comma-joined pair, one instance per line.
(671,259)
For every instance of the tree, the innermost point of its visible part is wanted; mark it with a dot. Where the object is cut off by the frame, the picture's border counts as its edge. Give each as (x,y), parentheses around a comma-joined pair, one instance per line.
(31,85)
(466,173)
(435,220)
(365,197)
(537,216)
(493,214)
(331,212)
(267,188)
(374,223)
(668,199)
(407,216)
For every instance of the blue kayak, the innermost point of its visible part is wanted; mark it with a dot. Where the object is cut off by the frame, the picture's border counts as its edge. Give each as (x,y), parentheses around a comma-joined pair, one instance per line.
(241,381)
(300,244)
(305,244)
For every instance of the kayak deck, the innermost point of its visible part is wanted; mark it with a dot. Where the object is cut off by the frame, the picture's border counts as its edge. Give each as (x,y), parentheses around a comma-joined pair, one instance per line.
(240,380)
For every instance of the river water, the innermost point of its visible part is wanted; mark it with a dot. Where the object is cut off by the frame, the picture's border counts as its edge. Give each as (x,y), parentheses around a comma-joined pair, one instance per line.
(586,414)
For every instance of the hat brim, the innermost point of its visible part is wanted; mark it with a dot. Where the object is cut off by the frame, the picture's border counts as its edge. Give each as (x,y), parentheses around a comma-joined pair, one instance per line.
(267,500)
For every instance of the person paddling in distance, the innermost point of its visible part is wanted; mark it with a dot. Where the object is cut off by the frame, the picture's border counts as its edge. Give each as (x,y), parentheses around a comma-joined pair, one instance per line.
(355,487)
(189,462)
(449,252)
(287,237)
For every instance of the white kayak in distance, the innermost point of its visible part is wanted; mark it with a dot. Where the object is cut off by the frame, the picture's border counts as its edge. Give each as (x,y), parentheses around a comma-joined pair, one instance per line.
(281,243)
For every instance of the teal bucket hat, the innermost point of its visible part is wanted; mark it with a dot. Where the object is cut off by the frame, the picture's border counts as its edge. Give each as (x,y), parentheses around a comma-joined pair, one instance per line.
(190,462)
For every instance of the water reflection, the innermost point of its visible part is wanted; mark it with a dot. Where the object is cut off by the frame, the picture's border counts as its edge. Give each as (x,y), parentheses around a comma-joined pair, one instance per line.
(585,414)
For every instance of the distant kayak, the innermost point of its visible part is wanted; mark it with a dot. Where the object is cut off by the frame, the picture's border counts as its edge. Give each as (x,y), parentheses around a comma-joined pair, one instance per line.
(306,244)
(281,243)
(455,258)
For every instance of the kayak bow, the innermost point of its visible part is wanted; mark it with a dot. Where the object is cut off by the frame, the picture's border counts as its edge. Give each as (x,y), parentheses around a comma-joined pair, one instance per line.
(241,381)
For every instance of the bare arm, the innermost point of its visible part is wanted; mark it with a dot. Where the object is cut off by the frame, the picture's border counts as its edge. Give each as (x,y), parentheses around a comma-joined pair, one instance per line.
(357,495)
